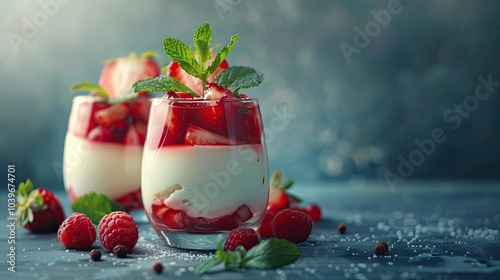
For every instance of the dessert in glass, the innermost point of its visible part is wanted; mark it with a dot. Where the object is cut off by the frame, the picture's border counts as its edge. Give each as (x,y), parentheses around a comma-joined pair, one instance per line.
(204,168)
(106,134)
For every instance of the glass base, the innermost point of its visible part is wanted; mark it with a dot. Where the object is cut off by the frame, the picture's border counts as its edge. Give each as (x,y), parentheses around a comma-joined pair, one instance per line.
(192,241)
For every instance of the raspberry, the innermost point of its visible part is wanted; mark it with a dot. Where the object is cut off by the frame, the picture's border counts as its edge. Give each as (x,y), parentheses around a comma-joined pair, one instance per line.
(77,231)
(266,228)
(118,228)
(245,237)
(292,225)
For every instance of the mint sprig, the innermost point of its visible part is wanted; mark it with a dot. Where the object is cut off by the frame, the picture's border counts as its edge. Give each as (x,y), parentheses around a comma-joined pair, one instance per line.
(95,206)
(88,86)
(195,64)
(237,77)
(270,253)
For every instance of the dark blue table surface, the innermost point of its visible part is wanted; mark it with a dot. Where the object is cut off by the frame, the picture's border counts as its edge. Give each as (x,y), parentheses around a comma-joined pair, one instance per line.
(434,231)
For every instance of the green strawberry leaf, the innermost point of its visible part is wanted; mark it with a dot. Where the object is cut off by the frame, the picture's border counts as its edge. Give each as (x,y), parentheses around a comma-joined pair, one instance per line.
(180,52)
(87,86)
(95,206)
(294,197)
(202,39)
(272,253)
(162,84)
(288,184)
(237,77)
(221,55)
(28,200)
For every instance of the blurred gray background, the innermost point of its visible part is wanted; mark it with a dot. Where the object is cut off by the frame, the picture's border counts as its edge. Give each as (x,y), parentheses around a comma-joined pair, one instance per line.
(337,104)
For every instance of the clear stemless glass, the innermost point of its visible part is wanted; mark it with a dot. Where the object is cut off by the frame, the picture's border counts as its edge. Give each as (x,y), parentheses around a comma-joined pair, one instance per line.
(103,149)
(204,169)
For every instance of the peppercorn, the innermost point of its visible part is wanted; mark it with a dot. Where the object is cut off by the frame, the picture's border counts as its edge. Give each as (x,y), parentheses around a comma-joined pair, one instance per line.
(381,248)
(120,251)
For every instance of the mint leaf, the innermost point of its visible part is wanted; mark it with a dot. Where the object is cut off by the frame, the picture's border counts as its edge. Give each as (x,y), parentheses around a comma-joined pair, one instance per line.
(221,55)
(87,86)
(237,77)
(180,52)
(205,266)
(95,206)
(162,84)
(202,39)
(272,253)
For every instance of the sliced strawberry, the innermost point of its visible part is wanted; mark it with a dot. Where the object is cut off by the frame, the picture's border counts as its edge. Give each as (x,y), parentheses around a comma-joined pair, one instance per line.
(85,122)
(214,91)
(211,118)
(174,70)
(199,136)
(118,76)
(159,210)
(136,134)
(278,200)
(115,116)
(266,229)
(253,126)
(184,95)
(175,126)
(242,214)
(176,219)
(100,134)
(139,109)
(224,223)
(131,201)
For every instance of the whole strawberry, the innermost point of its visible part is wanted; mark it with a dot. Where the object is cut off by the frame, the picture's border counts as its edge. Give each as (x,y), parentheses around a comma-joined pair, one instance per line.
(38,210)
(118,228)
(292,225)
(77,231)
(245,237)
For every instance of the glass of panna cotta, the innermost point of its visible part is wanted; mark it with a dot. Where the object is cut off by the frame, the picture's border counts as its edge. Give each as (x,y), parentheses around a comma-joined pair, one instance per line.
(204,169)
(103,149)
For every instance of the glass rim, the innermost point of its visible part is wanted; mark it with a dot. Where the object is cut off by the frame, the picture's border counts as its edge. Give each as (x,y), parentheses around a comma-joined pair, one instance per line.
(202,101)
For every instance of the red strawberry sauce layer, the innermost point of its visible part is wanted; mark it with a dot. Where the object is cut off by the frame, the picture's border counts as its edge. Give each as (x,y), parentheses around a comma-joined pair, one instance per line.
(122,124)
(96,120)
(224,121)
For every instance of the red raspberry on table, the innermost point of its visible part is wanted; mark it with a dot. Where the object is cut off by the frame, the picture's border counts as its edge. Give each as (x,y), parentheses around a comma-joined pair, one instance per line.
(118,228)
(292,225)
(245,237)
(77,231)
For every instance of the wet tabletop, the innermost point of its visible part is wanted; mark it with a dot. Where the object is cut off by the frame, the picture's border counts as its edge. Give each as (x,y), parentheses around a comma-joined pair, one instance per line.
(434,231)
